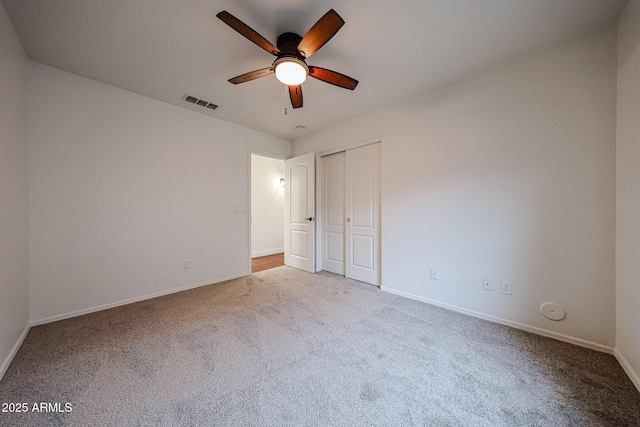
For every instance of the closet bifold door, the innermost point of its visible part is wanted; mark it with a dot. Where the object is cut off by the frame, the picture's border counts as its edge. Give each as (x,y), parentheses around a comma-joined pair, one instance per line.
(333,213)
(362,210)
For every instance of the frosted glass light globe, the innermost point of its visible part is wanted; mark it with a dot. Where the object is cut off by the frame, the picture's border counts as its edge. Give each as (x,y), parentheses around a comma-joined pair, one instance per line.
(291,71)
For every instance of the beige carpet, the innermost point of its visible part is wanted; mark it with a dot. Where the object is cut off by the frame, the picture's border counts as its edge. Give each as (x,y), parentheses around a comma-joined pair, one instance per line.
(286,348)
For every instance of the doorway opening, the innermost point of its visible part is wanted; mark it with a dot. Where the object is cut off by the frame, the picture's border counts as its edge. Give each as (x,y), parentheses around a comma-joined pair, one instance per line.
(267,262)
(267,212)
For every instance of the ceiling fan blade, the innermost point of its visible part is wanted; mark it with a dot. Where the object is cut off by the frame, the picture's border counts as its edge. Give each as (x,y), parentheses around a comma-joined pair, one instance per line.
(332,77)
(247,31)
(251,75)
(320,33)
(295,93)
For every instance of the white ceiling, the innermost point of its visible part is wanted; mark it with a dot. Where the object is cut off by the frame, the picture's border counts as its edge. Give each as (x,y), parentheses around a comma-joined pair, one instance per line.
(165,49)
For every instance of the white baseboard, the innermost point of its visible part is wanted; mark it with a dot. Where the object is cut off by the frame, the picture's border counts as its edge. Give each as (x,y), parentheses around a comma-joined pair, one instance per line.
(130,301)
(7,361)
(633,375)
(517,325)
(267,252)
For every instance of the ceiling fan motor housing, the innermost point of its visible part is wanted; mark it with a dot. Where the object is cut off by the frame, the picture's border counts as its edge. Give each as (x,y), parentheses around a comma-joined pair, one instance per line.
(293,69)
(288,46)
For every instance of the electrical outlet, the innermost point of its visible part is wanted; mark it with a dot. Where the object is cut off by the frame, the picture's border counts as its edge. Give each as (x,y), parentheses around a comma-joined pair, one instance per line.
(433,274)
(187,264)
(506,287)
(487,284)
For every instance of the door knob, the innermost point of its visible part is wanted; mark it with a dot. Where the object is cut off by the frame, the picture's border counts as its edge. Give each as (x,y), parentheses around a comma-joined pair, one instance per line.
(348,219)
(309,219)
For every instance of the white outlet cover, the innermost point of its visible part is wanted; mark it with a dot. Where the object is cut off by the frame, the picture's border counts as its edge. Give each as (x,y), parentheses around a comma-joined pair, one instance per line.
(487,285)
(433,274)
(506,287)
(552,311)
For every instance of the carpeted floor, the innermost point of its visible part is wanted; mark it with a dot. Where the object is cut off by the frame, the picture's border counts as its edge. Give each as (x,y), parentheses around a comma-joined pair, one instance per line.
(286,348)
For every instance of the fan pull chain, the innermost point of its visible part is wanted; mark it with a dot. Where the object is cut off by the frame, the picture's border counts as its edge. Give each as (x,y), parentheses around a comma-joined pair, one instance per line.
(286,90)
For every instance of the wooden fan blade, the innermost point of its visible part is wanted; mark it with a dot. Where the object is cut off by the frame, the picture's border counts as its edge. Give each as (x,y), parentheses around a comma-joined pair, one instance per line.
(332,77)
(320,33)
(251,75)
(295,93)
(247,31)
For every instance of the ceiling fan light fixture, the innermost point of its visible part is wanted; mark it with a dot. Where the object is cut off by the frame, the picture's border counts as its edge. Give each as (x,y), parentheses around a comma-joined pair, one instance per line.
(291,54)
(290,71)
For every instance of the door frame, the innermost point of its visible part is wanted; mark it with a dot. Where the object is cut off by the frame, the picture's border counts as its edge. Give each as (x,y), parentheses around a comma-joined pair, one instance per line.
(320,200)
(350,146)
(257,152)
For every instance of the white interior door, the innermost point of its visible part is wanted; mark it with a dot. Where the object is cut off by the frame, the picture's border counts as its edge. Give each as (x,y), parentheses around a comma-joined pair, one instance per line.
(333,213)
(362,230)
(300,205)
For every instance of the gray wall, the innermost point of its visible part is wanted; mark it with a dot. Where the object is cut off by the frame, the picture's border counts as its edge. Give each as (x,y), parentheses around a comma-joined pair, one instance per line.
(124,188)
(628,192)
(14,256)
(508,175)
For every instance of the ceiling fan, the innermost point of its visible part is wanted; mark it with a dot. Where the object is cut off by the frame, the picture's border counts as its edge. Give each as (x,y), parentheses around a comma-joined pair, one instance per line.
(290,66)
